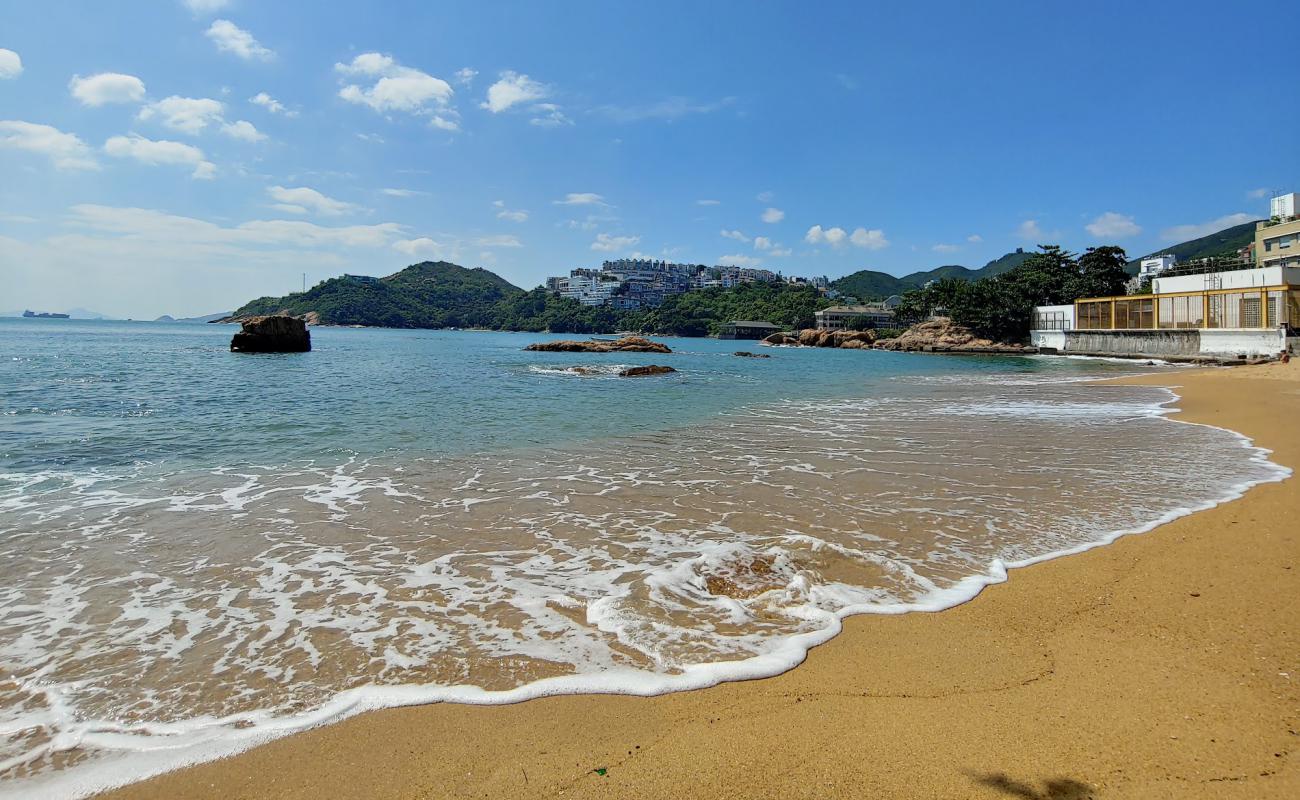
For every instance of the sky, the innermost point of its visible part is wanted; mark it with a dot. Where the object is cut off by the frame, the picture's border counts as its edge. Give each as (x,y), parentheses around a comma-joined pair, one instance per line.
(184,156)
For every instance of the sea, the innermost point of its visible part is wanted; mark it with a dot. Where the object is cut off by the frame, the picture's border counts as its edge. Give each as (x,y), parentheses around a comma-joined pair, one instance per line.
(201,551)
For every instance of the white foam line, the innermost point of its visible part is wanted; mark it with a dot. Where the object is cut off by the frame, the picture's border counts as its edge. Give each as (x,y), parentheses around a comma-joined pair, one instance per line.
(211,738)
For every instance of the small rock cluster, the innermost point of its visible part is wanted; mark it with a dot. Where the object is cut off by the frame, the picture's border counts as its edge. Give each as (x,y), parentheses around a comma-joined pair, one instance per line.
(627,344)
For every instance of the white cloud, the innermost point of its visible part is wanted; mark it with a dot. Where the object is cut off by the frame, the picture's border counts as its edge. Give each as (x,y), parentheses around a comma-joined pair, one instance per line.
(65,150)
(737,235)
(206,6)
(1253,194)
(185,114)
(1181,233)
(11,66)
(465,76)
(739,260)
(106,87)
(873,239)
(762,243)
(1030,231)
(773,215)
(271,104)
(1113,225)
(549,115)
(421,247)
(499,240)
(302,199)
(945,248)
(708,202)
(444,123)
(403,192)
(818,235)
(670,109)
(373,138)
(230,38)
(780,252)
(160,152)
(974,238)
(508,214)
(242,130)
(397,88)
(511,89)
(765,197)
(608,244)
(581,199)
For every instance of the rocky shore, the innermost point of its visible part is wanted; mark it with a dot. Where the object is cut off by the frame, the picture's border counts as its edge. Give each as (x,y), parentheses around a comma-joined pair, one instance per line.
(933,336)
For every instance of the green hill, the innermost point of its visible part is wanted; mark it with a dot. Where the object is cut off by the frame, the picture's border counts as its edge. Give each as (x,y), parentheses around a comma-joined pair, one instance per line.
(1223,243)
(425,295)
(872,285)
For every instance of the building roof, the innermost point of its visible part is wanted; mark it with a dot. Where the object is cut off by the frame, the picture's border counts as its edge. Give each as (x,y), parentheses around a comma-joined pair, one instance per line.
(749,323)
(871,309)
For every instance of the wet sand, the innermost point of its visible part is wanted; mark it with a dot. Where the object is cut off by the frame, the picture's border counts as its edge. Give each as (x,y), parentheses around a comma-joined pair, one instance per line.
(1163,665)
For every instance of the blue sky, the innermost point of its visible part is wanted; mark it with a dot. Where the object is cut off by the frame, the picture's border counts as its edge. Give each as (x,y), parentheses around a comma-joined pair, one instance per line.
(183,157)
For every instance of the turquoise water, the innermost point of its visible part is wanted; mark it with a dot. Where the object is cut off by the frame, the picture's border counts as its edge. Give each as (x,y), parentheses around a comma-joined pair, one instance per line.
(202,550)
(106,395)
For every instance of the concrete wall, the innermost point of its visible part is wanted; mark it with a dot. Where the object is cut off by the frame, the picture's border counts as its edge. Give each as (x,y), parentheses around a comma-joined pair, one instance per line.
(1236,279)
(1138,343)
(1220,343)
(1052,339)
(1228,342)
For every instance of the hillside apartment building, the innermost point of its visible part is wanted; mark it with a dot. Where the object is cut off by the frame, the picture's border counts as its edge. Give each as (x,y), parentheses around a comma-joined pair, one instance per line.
(1251,310)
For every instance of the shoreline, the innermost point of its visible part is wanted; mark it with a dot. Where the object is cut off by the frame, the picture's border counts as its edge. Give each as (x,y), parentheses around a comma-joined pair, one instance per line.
(293,761)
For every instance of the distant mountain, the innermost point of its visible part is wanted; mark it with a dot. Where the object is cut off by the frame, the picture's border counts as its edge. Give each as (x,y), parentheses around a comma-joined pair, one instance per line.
(84,313)
(204,318)
(872,285)
(1223,243)
(431,294)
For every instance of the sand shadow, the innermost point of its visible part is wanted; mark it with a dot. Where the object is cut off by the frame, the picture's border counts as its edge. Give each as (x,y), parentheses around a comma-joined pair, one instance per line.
(1052,788)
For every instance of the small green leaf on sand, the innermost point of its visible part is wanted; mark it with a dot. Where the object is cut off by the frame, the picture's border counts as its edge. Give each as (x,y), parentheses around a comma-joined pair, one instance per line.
(600,771)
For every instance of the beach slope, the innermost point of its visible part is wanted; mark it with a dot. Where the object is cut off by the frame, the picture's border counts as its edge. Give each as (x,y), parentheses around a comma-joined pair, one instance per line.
(1163,665)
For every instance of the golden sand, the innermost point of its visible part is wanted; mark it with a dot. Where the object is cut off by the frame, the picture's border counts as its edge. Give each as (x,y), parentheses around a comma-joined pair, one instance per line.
(1163,665)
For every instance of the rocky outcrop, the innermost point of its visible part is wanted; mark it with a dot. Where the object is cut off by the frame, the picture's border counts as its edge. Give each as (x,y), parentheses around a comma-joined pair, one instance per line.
(627,344)
(945,336)
(813,337)
(272,334)
(641,372)
(749,354)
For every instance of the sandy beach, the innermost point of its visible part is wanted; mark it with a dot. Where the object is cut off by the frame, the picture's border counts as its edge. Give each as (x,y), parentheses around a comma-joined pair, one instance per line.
(1164,665)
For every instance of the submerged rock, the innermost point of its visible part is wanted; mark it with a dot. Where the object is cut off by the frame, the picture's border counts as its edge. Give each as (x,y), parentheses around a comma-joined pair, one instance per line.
(272,334)
(748,354)
(638,372)
(627,344)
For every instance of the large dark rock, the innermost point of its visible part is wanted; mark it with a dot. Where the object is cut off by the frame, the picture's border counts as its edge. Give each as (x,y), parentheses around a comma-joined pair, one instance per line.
(638,372)
(273,334)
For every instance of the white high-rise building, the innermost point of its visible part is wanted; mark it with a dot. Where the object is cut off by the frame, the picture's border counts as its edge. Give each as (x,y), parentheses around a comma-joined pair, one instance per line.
(1284,205)
(1155,265)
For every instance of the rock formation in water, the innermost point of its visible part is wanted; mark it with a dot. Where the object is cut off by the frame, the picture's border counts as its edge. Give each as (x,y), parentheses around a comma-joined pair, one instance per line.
(748,354)
(639,372)
(812,337)
(627,344)
(272,334)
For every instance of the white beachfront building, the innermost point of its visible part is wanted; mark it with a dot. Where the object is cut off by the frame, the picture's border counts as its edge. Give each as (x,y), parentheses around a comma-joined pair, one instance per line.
(1234,313)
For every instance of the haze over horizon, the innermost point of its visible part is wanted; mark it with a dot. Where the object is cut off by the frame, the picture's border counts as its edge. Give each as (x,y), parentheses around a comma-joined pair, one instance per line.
(188,156)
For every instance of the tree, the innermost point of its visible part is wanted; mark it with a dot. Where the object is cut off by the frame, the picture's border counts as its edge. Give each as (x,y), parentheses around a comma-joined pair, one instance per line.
(1101,273)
